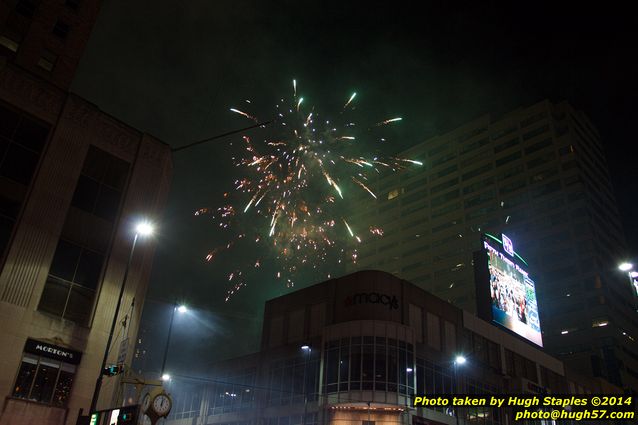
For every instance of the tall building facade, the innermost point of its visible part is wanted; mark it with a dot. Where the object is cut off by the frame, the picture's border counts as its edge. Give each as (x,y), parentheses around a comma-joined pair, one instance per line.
(72,182)
(539,175)
(46,37)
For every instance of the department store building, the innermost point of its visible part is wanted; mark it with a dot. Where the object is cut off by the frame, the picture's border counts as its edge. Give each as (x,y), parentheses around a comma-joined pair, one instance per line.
(353,350)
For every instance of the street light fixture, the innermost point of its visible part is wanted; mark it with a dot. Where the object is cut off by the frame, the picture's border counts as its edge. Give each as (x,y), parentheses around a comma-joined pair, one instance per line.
(181,309)
(625,267)
(307,350)
(143,229)
(459,360)
(631,274)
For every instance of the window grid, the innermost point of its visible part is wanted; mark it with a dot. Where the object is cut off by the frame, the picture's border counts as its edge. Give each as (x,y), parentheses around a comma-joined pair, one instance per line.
(44,380)
(368,363)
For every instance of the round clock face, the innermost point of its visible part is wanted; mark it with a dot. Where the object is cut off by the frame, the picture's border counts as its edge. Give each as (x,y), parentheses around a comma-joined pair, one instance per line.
(162,404)
(146,402)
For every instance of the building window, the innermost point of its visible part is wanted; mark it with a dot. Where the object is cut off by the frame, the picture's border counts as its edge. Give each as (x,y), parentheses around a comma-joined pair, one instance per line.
(535,132)
(368,363)
(61,29)
(476,172)
(72,282)
(9,43)
(393,194)
(474,145)
(72,4)
(433,378)
(503,146)
(44,380)
(503,132)
(26,7)
(533,119)
(447,171)
(367,422)
(538,146)
(21,141)
(99,188)
(292,379)
(445,185)
(47,60)
(442,199)
(507,159)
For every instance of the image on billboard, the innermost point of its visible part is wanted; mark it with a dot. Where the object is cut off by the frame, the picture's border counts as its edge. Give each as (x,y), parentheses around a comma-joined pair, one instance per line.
(513,296)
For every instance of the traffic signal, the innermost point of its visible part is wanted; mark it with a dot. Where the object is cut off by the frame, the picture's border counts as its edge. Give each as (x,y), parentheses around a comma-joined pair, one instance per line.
(112,370)
(128,414)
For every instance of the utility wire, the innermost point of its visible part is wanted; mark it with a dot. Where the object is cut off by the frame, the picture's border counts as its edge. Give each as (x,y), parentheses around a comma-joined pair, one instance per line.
(219,136)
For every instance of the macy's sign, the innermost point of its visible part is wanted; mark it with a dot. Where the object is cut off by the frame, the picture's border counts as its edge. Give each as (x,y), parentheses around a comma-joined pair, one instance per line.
(373,298)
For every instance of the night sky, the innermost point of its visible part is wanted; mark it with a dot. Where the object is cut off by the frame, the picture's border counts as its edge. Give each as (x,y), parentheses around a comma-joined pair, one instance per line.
(173,69)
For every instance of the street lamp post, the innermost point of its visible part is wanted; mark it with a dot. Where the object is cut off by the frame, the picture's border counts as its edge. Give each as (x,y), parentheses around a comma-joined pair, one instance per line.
(307,350)
(182,309)
(142,229)
(458,360)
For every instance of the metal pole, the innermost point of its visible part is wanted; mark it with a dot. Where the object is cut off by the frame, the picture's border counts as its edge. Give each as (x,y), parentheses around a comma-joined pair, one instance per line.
(631,283)
(168,339)
(456,409)
(305,386)
(98,383)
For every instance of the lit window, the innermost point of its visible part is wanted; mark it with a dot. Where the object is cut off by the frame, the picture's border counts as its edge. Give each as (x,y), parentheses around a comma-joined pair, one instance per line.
(599,323)
(393,194)
(46,376)
(9,43)
(47,60)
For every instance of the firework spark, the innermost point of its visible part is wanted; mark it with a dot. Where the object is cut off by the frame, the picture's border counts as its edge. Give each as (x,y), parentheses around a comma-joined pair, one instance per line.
(295,189)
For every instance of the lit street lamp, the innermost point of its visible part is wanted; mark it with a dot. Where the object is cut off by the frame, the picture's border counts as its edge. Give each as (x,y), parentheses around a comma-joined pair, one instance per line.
(625,267)
(458,361)
(143,229)
(180,309)
(307,350)
(631,274)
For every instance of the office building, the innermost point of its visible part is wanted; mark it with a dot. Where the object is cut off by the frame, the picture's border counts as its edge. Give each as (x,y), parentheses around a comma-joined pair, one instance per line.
(72,182)
(355,349)
(539,175)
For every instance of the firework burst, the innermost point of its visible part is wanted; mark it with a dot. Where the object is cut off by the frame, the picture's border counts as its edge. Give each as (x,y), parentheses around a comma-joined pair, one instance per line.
(294,191)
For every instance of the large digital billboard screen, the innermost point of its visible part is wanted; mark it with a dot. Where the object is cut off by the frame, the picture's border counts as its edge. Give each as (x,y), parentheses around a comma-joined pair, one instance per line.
(512,293)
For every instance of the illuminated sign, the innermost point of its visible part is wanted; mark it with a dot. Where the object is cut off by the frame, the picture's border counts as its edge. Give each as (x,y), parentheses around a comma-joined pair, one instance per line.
(124,415)
(512,292)
(507,245)
(114,415)
(52,351)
